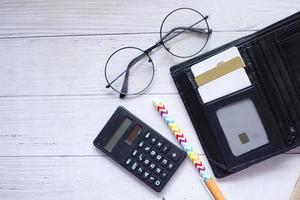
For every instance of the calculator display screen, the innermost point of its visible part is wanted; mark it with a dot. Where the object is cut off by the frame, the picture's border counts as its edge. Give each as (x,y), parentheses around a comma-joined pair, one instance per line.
(133,134)
(118,134)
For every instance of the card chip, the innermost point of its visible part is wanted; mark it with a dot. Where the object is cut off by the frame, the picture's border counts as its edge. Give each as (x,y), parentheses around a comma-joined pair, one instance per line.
(243,138)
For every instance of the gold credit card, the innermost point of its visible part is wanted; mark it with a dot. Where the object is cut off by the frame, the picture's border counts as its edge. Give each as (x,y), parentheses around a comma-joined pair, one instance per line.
(220,70)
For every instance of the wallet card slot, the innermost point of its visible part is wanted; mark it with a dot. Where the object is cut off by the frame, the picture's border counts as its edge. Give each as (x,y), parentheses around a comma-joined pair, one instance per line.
(270,46)
(282,79)
(289,51)
(263,78)
(244,126)
(288,90)
(270,80)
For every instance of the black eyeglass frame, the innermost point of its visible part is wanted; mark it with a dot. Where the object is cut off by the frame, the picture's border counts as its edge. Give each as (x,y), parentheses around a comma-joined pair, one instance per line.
(144,53)
(161,31)
(124,90)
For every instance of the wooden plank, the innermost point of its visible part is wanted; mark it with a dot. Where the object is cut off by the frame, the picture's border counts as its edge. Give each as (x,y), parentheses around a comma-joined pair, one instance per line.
(75,65)
(68,125)
(38,17)
(39,126)
(95,178)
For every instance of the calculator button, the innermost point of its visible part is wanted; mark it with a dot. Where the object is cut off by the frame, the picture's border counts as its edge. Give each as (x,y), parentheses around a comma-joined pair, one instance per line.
(152,153)
(174,155)
(134,166)
(164,175)
(157,183)
(147,149)
(141,157)
(159,144)
(152,166)
(146,162)
(151,179)
(153,140)
(158,157)
(128,161)
(164,162)
(141,143)
(147,135)
(134,152)
(158,170)
(170,166)
(146,174)
(140,170)
(165,148)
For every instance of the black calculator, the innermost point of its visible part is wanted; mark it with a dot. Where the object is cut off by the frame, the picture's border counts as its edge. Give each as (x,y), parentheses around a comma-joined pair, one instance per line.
(139,149)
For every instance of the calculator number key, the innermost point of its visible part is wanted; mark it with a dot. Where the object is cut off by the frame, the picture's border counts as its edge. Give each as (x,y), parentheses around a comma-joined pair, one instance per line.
(146,174)
(158,157)
(170,166)
(158,170)
(146,162)
(134,166)
(152,153)
(151,179)
(140,170)
(147,149)
(152,166)
(141,157)
(157,183)
(164,162)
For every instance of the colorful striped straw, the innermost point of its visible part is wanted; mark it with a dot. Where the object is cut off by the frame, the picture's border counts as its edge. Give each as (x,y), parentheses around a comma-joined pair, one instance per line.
(206,178)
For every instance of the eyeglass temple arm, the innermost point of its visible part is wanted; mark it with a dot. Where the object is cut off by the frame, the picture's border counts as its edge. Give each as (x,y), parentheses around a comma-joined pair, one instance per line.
(124,89)
(198,30)
(128,67)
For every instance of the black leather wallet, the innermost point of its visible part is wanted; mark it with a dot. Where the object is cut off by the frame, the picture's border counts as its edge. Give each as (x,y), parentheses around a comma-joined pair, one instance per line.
(272,63)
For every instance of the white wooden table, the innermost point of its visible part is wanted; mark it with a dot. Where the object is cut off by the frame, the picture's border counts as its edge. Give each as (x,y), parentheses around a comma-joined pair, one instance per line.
(53,100)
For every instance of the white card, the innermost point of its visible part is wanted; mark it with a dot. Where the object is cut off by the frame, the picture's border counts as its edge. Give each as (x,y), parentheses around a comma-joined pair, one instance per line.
(227,84)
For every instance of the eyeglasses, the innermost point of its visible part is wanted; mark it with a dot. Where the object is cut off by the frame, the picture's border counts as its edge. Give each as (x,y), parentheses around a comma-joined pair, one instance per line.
(184,33)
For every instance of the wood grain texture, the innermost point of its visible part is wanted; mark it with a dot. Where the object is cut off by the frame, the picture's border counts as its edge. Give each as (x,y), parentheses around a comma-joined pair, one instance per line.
(53,100)
(75,65)
(71,17)
(43,126)
(100,178)
(68,125)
